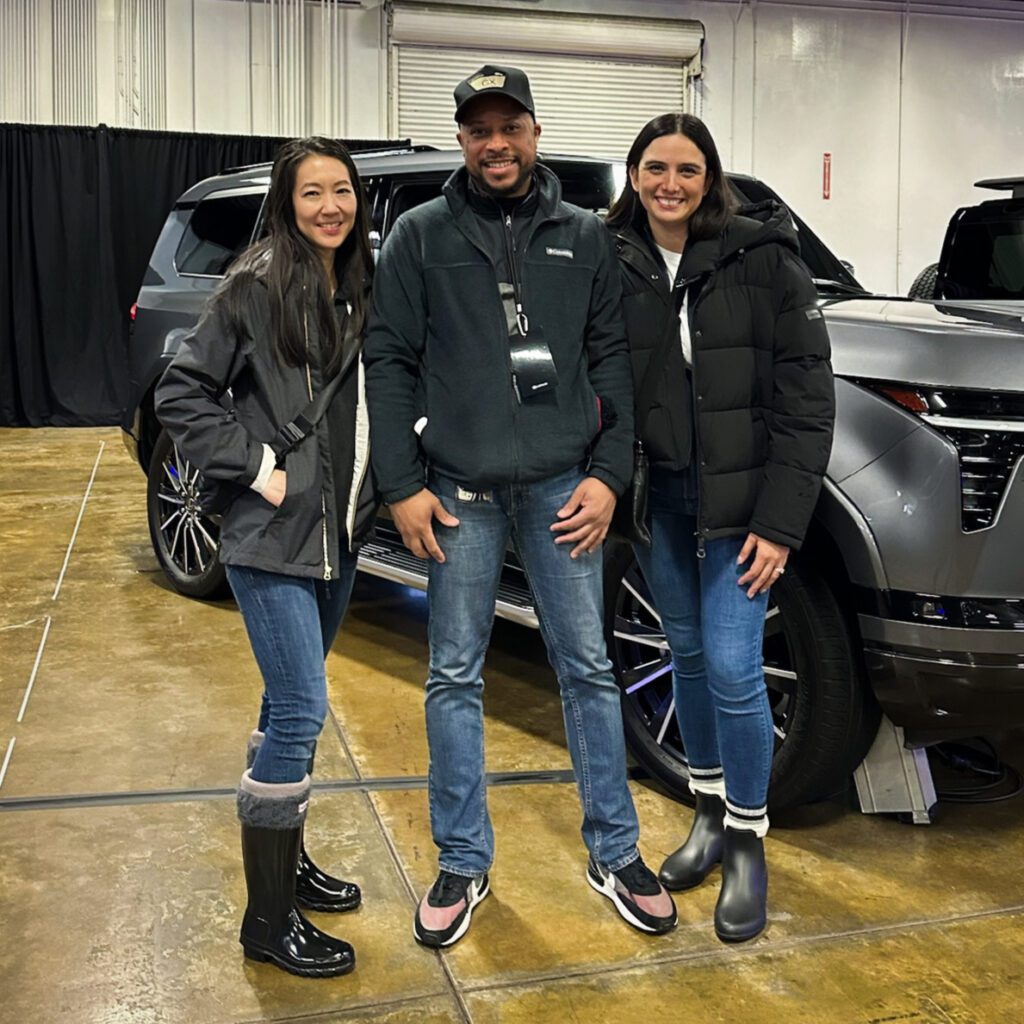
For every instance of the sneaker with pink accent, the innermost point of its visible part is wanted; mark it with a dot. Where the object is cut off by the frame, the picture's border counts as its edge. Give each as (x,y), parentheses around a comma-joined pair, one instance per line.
(443,916)
(636,894)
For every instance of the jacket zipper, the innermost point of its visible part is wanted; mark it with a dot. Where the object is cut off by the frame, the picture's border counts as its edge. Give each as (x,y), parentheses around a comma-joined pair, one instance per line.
(699,533)
(510,254)
(323,499)
(691,309)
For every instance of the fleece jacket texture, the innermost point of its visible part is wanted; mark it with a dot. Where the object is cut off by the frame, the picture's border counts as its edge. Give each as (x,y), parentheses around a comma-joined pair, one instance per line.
(438,348)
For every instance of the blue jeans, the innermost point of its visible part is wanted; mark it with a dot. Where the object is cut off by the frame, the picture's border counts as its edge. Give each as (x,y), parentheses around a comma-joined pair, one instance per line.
(292,622)
(715,633)
(569,601)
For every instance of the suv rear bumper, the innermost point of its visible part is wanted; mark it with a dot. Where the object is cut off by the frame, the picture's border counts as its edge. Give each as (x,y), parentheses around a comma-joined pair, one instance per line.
(945,680)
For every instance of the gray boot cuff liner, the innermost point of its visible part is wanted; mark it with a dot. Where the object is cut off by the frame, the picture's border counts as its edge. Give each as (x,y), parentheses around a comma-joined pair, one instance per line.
(255,739)
(272,805)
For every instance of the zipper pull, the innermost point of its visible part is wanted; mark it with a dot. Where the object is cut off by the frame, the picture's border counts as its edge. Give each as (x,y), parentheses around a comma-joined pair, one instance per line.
(701,549)
(522,321)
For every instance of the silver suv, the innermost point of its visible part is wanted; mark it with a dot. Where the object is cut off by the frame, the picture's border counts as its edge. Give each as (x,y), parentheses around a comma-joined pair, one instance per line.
(908,596)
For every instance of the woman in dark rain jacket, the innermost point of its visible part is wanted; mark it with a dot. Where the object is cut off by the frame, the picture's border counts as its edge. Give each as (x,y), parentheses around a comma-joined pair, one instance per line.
(282,326)
(735,406)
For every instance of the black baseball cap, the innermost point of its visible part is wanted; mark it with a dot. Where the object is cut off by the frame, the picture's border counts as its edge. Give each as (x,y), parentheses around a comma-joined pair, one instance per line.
(494,80)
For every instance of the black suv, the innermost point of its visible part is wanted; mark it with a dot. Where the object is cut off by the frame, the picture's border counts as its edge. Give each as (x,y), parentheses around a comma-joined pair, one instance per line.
(983,250)
(908,595)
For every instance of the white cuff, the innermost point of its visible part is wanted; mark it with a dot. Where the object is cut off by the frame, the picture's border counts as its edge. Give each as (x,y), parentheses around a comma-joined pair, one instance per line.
(266,468)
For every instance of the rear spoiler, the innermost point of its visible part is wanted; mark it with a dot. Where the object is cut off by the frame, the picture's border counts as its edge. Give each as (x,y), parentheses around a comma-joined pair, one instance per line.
(1013,185)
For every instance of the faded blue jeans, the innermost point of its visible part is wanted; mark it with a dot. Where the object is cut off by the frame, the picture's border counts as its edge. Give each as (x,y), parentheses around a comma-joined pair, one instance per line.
(569,602)
(292,622)
(715,633)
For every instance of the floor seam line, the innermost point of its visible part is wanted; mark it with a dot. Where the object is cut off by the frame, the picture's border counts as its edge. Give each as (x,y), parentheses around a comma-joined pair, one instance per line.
(372,784)
(335,1012)
(410,889)
(695,956)
(399,866)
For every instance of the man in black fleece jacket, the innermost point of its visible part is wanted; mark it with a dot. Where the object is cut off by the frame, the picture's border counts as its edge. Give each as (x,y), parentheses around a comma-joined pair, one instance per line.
(500,399)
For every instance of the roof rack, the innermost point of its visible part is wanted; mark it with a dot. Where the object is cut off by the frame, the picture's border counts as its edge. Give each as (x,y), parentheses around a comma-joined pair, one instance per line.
(357,147)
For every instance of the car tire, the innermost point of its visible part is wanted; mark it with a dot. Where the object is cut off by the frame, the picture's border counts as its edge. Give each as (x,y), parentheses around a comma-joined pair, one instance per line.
(924,284)
(824,714)
(185,540)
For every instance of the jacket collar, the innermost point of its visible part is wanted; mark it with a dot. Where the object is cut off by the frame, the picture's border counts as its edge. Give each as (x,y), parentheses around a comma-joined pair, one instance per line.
(546,185)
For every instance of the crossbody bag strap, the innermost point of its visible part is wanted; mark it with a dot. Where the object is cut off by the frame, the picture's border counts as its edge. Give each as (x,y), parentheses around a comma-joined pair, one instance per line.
(298,429)
(654,365)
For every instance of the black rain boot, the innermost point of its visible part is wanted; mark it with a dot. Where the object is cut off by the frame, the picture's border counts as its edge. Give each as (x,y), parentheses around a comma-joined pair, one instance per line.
(273,929)
(314,888)
(692,862)
(741,912)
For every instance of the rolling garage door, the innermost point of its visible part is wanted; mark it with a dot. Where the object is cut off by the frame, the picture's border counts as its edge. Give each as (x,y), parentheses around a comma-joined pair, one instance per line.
(596,80)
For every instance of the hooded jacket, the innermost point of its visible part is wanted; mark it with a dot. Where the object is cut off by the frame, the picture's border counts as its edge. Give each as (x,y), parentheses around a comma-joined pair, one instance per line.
(757,410)
(438,347)
(329,505)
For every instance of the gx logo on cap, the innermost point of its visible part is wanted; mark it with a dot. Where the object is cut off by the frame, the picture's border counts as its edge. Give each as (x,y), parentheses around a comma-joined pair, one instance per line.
(487,82)
(493,80)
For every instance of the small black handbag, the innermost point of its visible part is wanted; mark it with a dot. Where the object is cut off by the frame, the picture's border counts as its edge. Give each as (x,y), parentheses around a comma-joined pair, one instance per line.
(629,520)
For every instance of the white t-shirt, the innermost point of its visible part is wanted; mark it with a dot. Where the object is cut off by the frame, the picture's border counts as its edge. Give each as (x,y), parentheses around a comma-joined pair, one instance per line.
(672,263)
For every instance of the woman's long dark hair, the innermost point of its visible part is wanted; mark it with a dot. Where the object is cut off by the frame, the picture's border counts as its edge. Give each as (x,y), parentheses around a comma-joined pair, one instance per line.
(290,265)
(713,214)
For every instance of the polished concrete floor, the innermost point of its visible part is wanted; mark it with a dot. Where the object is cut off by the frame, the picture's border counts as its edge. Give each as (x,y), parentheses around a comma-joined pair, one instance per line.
(124,711)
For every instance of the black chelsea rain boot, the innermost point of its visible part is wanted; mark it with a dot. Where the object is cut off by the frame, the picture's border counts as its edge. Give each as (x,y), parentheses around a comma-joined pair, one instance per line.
(741,912)
(690,864)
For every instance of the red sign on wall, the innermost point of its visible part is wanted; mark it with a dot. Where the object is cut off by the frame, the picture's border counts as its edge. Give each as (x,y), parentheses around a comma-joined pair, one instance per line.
(826,176)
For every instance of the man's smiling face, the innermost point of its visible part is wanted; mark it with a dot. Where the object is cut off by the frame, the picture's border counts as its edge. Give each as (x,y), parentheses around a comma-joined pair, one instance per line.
(499,145)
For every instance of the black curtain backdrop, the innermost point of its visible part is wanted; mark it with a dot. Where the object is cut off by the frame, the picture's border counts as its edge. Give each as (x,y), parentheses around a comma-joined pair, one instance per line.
(80,211)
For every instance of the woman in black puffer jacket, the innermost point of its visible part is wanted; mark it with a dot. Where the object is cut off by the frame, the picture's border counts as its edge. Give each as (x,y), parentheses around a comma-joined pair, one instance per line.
(283,328)
(735,406)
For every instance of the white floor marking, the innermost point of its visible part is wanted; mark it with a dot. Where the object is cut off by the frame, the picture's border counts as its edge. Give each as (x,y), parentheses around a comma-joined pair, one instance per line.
(19,625)
(78,522)
(7,761)
(35,668)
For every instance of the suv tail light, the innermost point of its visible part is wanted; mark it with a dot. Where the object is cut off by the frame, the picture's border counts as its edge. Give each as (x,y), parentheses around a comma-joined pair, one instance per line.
(987,429)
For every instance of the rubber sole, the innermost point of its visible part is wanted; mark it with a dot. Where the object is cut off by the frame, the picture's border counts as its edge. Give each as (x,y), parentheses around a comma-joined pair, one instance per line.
(432,941)
(745,937)
(328,908)
(266,956)
(606,887)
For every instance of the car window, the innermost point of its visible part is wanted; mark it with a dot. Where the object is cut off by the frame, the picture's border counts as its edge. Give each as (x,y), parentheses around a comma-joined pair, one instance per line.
(986,260)
(407,194)
(220,227)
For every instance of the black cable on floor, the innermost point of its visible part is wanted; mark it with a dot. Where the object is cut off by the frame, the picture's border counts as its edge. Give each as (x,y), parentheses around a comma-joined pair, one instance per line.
(976,757)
